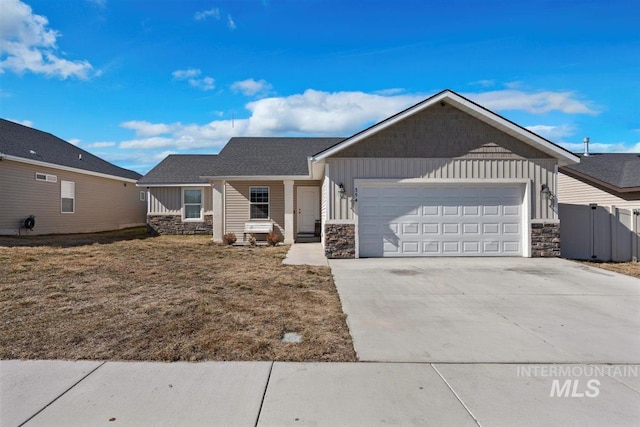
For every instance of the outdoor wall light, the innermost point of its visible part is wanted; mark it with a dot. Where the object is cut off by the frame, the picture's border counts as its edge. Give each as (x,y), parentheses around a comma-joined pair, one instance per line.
(545,191)
(341,191)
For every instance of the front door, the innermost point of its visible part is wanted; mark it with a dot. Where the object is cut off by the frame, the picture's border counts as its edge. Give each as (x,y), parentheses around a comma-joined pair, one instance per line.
(308,208)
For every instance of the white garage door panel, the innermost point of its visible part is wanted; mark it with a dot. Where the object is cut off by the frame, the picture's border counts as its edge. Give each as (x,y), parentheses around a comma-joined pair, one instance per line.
(446,220)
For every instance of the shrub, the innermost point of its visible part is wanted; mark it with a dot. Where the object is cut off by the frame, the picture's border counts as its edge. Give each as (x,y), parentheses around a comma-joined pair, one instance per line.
(229,239)
(273,238)
(252,239)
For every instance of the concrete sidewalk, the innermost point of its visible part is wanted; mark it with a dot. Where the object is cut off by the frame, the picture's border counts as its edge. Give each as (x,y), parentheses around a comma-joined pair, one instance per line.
(61,393)
(306,254)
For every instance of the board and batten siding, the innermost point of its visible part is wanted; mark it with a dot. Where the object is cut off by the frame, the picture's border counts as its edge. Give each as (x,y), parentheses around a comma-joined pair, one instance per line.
(236,205)
(168,200)
(101,204)
(573,191)
(345,170)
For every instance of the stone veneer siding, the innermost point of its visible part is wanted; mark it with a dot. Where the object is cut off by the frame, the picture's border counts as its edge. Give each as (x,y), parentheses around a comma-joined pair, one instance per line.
(545,239)
(173,224)
(340,240)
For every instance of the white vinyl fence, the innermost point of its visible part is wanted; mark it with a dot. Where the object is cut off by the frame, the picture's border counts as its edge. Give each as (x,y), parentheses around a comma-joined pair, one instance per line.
(603,233)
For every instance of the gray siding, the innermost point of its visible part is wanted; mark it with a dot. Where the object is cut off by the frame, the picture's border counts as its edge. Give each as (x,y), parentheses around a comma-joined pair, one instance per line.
(168,200)
(575,192)
(442,132)
(540,171)
(100,203)
(237,205)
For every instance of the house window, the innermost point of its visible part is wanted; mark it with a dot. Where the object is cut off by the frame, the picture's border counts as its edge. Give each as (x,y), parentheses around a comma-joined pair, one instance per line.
(143,196)
(192,201)
(259,203)
(67,197)
(46,177)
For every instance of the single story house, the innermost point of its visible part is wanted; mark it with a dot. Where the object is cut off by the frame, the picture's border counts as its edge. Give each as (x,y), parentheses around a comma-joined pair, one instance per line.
(445,177)
(607,179)
(49,186)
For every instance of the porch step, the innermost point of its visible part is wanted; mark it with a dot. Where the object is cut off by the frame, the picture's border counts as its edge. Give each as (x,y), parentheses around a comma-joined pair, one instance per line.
(307,238)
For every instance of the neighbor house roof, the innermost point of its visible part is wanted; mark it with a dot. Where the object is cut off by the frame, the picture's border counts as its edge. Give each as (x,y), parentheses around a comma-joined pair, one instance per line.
(261,157)
(179,169)
(564,156)
(22,143)
(618,171)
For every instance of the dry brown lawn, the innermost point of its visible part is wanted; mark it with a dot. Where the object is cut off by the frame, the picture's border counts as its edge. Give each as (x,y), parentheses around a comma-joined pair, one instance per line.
(628,268)
(127,296)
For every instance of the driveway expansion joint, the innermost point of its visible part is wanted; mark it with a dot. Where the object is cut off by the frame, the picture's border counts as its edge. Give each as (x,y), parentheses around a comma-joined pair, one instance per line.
(456,395)
(62,394)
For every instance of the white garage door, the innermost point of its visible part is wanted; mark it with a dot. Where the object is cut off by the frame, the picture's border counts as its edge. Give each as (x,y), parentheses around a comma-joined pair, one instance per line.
(440,220)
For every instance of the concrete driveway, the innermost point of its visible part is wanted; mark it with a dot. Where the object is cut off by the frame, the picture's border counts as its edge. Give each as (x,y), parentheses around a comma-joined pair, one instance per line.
(489,310)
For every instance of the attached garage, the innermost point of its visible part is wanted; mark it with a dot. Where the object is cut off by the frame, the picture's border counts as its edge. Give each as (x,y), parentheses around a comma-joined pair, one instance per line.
(396,219)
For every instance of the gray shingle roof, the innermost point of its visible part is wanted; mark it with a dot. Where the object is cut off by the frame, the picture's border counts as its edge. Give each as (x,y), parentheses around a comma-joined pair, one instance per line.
(249,156)
(180,169)
(28,143)
(620,170)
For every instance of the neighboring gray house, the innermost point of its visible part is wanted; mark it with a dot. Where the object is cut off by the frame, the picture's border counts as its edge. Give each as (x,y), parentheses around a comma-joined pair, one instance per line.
(608,179)
(65,188)
(445,177)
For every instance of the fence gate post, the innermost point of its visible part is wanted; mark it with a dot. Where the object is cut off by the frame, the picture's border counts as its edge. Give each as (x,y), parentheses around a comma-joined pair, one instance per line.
(592,224)
(635,228)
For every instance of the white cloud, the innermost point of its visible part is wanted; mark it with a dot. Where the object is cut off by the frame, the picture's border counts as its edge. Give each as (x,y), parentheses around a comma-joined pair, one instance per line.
(27,123)
(99,3)
(28,44)
(251,87)
(484,83)
(231,23)
(602,147)
(532,102)
(153,142)
(144,128)
(74,141)
(553,133)
(201,16)
(312,113)
(192,75)
(103,144)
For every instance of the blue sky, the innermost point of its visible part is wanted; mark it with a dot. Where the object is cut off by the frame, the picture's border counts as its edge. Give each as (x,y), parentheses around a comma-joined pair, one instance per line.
(133,80)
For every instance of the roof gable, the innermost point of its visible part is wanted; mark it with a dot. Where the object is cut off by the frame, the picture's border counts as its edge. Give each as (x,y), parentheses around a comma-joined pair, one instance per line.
(32,145)
(463,104)
(442,131)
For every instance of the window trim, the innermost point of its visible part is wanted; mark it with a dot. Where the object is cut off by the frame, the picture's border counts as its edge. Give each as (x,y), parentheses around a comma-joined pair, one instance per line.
(46,177)
(182,208)
(62,193)
(143,196)
(260,203)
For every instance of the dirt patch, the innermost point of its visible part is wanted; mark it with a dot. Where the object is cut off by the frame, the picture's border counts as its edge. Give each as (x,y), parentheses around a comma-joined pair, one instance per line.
(129,297)
(629,268)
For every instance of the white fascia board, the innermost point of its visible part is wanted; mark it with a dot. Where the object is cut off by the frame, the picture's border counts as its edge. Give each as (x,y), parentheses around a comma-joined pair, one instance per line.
(258,178)
(475,110)
(64,168)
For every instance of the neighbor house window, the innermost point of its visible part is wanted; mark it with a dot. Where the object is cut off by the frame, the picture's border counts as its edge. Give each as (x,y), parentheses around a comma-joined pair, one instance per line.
(192,200)
(259,203)
(46,177)
(67,196)
(143,196)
